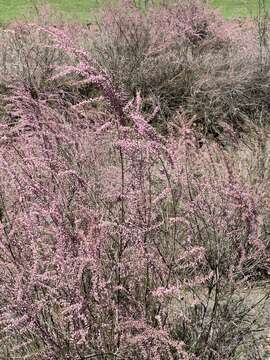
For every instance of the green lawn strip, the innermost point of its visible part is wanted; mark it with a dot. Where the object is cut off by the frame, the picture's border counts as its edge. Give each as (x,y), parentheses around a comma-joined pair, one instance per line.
(84,10)
(11,9)
(238,8)
(78,10)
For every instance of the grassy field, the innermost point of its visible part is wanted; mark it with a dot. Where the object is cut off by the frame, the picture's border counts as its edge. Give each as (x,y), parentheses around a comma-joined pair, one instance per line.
(77,10)
(81,10)
(232,8)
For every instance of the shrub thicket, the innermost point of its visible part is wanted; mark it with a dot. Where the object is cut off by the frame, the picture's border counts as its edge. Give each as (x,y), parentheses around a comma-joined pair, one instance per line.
(186,57)
(117,241)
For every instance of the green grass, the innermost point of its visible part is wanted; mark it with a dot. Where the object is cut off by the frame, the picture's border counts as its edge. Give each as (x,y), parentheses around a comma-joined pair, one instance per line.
(237,8)
(79,10)
(83,10)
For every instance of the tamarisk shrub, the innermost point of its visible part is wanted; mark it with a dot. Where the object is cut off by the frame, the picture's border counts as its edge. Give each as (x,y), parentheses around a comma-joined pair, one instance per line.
(105,227)
(136,48)
(185,57)
(163,54)
(26,56)
(78,250)
(28,59)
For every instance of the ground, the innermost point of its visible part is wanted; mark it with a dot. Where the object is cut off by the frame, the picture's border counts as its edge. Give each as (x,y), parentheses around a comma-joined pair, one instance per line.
(78,10)
(82,10)
(231,8)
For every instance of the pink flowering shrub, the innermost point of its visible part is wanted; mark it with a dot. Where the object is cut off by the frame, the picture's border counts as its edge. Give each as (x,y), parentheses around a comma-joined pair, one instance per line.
(181,56)
(157,52)
(29,59)
(81,255)
(105,224)
(184,57)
